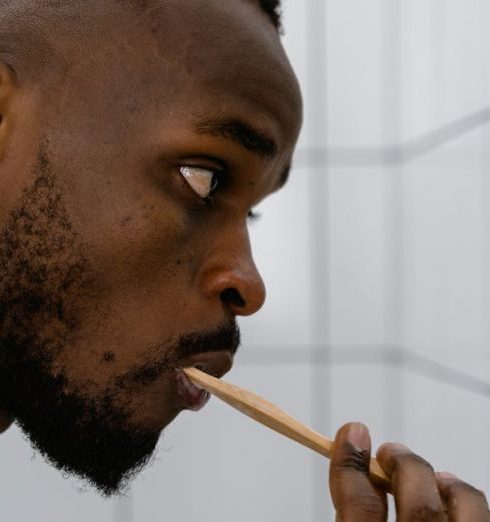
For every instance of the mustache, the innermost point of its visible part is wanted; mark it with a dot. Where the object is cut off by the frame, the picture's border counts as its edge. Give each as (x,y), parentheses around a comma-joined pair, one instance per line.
(225,338)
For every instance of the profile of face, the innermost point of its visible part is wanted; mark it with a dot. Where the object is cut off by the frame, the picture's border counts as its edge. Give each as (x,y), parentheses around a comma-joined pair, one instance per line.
(130,163)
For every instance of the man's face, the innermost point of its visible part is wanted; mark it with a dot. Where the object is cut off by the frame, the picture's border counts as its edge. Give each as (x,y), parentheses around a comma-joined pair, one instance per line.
(124,249)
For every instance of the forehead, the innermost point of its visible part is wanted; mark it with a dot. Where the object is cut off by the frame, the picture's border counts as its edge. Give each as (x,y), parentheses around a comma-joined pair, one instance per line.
(191,56)
(223,42)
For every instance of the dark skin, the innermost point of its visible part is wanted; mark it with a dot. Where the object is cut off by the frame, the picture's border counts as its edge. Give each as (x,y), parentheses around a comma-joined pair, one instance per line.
(420,493)
(128,171)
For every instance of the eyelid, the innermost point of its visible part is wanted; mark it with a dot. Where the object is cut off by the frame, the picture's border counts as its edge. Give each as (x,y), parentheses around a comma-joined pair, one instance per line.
(204,162)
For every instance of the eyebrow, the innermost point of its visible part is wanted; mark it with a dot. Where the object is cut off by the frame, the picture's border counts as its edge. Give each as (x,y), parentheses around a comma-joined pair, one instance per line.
(241,133)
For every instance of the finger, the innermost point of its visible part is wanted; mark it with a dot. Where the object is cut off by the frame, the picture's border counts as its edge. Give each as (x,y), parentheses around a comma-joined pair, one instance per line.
(463,501)
(354,496)
(413,484)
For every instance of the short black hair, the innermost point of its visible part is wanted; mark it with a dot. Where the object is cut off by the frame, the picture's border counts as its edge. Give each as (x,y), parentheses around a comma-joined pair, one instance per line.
(273,9)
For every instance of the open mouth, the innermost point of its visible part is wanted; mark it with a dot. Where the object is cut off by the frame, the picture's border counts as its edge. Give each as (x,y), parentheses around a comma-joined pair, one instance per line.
(215,363)
(193,397)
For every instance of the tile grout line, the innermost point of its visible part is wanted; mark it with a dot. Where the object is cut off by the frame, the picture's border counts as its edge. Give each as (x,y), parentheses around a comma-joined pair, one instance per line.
(316,61)
(394,154)
(395,232)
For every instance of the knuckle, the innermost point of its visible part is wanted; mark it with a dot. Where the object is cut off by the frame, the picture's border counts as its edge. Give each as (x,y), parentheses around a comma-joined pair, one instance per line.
(403,460)
(362,505)
(480,494)
(426,513)
(458,487)
(477,493)
(353,458)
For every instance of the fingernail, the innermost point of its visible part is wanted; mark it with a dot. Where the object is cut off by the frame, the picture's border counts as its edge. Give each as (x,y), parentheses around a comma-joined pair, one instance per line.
(358,435)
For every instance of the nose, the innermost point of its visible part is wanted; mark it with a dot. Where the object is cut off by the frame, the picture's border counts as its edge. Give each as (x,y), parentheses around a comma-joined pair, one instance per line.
(231,276)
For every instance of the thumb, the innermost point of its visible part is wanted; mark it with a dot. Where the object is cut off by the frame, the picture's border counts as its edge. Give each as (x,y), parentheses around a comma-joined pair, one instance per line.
(354,496)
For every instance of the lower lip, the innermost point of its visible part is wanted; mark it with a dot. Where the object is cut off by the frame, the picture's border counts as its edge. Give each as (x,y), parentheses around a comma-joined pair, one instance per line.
(194,398)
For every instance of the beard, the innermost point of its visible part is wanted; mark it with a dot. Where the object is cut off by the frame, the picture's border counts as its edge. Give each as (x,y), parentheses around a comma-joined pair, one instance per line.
(43,277)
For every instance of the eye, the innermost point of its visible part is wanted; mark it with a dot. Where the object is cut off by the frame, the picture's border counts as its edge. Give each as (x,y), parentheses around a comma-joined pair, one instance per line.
(202,181)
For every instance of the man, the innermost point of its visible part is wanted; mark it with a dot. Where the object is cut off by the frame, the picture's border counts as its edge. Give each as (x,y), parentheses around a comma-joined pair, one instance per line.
(136,136)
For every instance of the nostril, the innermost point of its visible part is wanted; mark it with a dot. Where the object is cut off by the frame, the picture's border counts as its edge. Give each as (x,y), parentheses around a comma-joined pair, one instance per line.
(231,297)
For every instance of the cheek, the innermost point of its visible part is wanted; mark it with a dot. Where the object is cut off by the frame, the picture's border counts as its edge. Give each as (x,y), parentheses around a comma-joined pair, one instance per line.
(133,229)
(143,252)
(141,292)
(142,244)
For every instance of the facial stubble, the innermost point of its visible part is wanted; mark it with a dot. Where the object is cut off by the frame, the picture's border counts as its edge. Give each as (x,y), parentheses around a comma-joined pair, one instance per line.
(44,276)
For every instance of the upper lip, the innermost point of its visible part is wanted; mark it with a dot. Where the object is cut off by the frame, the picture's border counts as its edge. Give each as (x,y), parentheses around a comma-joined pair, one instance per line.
(213,363)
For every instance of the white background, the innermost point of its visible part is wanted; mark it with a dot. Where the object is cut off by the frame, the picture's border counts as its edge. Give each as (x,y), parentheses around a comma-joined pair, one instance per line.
(376,257)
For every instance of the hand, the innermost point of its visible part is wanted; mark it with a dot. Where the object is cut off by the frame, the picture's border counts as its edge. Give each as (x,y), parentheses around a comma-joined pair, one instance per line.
(420,493)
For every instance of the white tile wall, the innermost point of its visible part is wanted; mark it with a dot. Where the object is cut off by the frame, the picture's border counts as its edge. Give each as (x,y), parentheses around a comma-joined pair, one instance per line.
(465,75)
(33,491)
(219,465)
(444,250)
(355,45)
(283,263)
(422,54)
(365,393)
(357,238)
(440,418)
